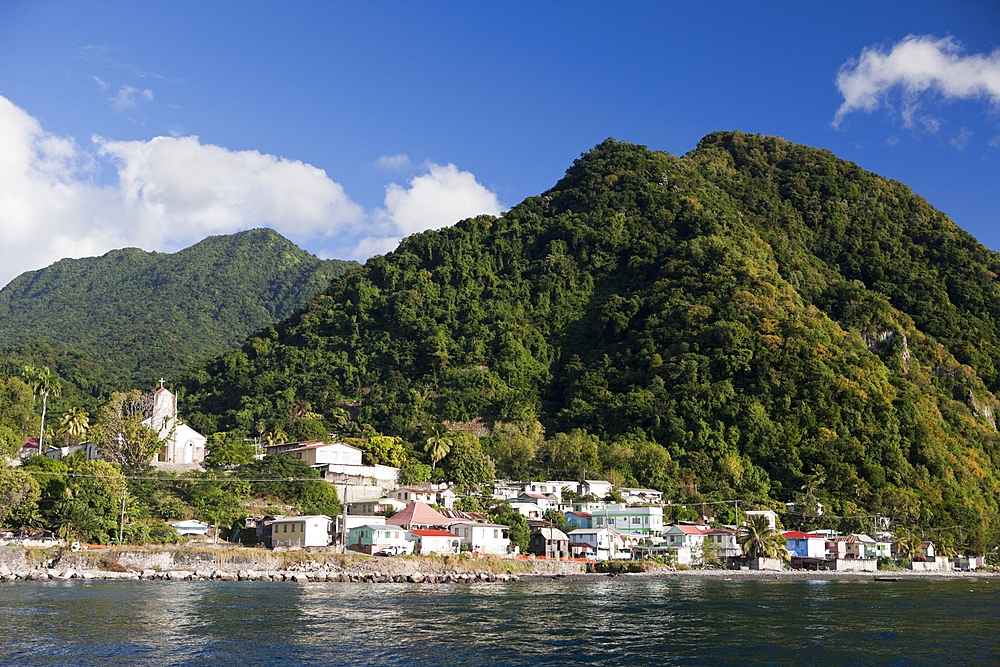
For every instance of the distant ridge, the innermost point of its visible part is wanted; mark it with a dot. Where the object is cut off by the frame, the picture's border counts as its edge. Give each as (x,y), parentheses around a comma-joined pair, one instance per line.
(137,315)
(755,319)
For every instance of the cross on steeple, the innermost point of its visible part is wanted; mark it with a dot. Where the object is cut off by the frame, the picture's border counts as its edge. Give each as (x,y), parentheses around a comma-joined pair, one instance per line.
(161,383)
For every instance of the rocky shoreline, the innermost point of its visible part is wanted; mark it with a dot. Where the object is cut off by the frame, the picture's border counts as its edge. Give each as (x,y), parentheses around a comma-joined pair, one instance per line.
(165,564)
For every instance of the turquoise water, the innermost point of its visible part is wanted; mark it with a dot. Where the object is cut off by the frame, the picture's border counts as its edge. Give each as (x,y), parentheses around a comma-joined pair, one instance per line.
(621,621)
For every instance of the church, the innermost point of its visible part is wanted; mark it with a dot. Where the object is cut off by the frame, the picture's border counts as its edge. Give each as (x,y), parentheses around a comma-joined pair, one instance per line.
(183,446)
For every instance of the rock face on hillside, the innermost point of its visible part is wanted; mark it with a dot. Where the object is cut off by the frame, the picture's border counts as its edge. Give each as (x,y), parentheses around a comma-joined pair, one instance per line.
(139,315)
(755,319)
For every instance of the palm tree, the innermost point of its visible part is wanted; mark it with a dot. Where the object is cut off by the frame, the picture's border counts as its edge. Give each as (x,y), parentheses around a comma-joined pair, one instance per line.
(906,544)
(759,540)
(43,382)
(74,424)
(438,444)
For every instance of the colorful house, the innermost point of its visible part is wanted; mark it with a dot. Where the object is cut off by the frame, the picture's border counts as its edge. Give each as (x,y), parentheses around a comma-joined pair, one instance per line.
(640,521)
(576,520)
(805,545)
(372,539)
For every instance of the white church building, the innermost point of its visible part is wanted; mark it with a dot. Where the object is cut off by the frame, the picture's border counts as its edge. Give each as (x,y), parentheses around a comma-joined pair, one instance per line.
(183,445)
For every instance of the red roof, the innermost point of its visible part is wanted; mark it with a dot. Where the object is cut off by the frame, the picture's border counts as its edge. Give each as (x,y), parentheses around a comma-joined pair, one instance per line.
(432,533)
(691,530)
(799,535)
(417,514)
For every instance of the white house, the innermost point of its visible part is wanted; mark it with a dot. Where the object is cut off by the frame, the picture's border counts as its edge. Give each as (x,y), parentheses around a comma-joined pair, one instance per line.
(183,446)
(434,541)
(685,535)
(637,496)
(190,527)
(90,450)
(545,502)
(483,538)
(301,531)
(527,510)
(604,541)
(724,542)
(595,487)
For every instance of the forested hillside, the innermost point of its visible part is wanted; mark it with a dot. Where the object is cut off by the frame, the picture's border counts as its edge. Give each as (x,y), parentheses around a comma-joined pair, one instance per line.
(130,316)
(754,320)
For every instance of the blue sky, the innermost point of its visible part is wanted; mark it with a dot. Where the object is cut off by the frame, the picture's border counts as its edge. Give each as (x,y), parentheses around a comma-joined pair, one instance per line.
(348,125)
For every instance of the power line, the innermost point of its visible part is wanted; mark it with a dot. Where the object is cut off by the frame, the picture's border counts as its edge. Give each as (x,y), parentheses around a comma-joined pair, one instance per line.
(196,480)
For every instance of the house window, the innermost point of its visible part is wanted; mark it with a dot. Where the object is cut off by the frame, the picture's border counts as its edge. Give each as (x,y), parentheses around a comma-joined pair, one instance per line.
(496,533)
(285,528)
(293,527)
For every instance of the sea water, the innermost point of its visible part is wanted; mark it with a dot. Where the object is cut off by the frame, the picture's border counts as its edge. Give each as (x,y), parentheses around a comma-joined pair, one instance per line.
(600,621)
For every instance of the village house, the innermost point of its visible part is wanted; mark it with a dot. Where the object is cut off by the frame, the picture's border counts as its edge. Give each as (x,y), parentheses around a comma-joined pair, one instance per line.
(805,545)
(549,542)
(527,510)
(604,542)
(373,539)
(191,527)
(335,458)
(434,541)
(591,507)
(595,487)
(724,542)
(483,538)
(642,521)
(301,531)
(544,502)
(374,507)
(637,496)
(418,515)
(772,517)
(576,520)
(685,535)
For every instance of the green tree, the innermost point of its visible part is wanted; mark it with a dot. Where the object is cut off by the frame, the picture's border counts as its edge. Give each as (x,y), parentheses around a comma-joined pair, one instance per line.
(121,433)
(759,540)
(555,517)
(225,450)
(19,493)
(10,444)
(520,532)
(468,466)
(16,411)
(514,446)
(414,472)
(216,505)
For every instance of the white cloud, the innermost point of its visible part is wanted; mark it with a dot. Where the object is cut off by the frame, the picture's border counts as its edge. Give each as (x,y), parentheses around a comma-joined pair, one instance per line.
(961,140)
(129,98)
(171,192)
(917,65)
(439,198)
(393,162)
(994,142)
(101,83)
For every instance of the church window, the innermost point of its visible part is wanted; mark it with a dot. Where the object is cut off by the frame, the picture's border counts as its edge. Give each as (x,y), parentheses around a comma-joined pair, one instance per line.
(285,528)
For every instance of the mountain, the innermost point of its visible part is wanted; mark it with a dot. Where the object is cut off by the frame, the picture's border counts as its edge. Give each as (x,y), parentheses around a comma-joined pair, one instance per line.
(130,316)
(755,320)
